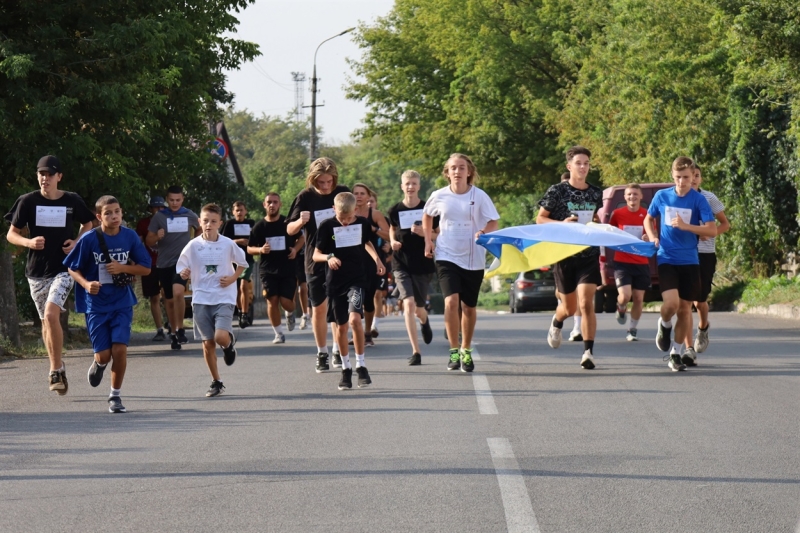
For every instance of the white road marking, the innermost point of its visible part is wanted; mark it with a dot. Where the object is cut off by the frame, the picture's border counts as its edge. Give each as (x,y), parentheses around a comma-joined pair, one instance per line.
(483,394)
(475,355)
(516,501)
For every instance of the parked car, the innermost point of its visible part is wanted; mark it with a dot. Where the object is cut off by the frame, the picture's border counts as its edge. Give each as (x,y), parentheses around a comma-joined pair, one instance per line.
(534,290)
(605,299)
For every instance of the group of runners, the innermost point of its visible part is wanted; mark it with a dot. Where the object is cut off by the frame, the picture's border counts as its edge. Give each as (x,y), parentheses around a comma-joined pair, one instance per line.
(333,247)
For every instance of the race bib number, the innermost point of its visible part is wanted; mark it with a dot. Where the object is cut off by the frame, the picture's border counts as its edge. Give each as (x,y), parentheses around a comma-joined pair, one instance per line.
(672,212)
(636,231)
(51,217)
(241,230)
(277,244)
(584,216)
(347,236)
(103,276)
(323,214)
(177,225)
(460,230)
(407,218)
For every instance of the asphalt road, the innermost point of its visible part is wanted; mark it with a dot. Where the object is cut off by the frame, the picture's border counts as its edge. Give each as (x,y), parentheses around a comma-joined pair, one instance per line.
(529,442)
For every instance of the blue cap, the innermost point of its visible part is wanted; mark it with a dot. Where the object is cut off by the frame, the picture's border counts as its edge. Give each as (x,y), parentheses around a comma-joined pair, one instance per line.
(157,201)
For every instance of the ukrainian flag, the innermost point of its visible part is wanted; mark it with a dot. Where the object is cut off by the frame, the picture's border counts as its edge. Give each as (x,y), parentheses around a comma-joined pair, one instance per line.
(523,248)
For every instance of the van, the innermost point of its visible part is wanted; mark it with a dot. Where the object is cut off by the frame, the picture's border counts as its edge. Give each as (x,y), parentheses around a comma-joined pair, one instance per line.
(605,299)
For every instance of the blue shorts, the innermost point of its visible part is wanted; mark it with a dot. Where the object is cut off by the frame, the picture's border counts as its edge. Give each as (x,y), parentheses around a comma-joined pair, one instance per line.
(113,327)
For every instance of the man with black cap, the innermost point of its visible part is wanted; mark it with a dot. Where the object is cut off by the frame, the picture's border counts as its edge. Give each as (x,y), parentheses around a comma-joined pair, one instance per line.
(49,214)
(151,288)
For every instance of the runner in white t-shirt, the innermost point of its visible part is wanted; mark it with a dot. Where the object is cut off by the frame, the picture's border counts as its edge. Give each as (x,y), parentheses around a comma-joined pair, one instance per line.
(464,212)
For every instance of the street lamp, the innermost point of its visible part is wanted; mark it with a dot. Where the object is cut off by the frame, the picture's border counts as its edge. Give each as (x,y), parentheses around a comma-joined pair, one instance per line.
(313,148)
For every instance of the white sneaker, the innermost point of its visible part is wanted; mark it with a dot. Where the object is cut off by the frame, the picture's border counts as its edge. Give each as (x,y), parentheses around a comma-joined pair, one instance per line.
(575,336)
(587,361)
(279,339)
(554,335)
(675,363)
(701,341)
(689,357)
(304,322)
(631,336)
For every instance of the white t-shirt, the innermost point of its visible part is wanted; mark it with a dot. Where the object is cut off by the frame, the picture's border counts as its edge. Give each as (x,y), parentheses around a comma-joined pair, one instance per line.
(461,217)
(709,246)
(209,261)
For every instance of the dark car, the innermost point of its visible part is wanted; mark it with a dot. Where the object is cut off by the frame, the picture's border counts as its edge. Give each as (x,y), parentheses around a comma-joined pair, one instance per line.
(613,198)
(534,290)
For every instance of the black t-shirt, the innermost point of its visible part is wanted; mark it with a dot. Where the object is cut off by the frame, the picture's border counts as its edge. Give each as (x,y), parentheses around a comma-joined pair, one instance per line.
(562,199)
(229,230)
(411,257)
(276,262)
(55,221)
(321,207)
(353,269)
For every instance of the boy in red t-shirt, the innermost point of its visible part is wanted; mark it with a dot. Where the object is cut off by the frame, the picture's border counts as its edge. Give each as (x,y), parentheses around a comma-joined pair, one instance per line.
(631,272)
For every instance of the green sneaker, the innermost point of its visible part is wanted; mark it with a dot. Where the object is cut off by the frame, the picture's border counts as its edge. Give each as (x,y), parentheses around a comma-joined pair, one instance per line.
(467,364)
(455,360)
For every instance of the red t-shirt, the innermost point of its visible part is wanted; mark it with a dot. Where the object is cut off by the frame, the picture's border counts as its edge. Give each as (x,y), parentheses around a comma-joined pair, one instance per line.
(632,222)
(141,231)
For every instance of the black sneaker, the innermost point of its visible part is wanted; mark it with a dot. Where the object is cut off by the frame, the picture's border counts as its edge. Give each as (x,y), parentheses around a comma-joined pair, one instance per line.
(663,337)
(675,363)
(115,405)
(229,353)
(336,360)
(427,332)
(467,364)
(176,345)
(455,360)
(159,336)
(58,382)
(347,379)
(415,359)
(322,362)
(182,336)
(96,373)
(216,389)
(368,340)
(374,332)
(243,322)
(168,328)
(363,377)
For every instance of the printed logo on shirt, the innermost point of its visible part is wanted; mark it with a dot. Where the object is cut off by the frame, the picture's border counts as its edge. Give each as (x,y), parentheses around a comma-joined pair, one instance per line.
(119,257)
(211,269)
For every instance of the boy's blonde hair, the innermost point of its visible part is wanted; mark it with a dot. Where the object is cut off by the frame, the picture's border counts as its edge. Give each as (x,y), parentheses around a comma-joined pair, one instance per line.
(344,202)
(408,174)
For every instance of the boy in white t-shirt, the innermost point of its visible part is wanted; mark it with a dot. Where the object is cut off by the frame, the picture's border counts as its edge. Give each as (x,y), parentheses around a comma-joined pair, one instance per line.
(208,260)
(465,213)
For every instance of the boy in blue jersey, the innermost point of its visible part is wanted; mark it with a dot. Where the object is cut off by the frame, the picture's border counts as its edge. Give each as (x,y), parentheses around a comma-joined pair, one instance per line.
(685,216)
(93,263)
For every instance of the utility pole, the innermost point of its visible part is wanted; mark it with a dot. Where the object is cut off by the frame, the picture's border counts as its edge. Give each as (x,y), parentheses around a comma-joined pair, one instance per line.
(299,82)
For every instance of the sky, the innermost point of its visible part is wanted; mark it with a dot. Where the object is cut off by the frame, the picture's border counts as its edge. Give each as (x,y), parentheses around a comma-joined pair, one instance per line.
(288,32)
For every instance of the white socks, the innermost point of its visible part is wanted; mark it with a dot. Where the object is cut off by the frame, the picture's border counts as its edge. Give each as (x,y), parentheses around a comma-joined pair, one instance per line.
(114,392)
(278,329)
(346,362)
(577,326)
(634,323)
(677,348)
(359,360)
(336,347)
(375,323)
(667,324)
(322,349)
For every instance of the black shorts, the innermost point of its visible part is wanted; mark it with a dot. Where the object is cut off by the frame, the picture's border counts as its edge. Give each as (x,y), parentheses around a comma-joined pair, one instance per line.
(637,276)
(167,277)
(369,293)
(350,300)
(383,282)
(456,280)
(300,270)
(283,286)
(316,286)
(576,270)
(685,278)
(150,284)
(708,265)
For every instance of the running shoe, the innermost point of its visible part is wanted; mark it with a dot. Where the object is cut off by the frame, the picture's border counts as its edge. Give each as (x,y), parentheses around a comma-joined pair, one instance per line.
(701,340)
(159,336)
(280,338)
(363,377)
(290,321)
(631,336)
(467,364)
(374,332)
(455,360)
(322,362)
(347,379)
(96,373)
(216,389)
(229,353)
(182,336)
(622,317)
(115,405)
(58,382)
(675,363)
(587,361)
(689,357)
(168,329)
(243,323)
(304,322)
(427,332)
(368,340)
(175,345)
(336,360)
(415,360)
(575,336)
(554,335)
(663,338)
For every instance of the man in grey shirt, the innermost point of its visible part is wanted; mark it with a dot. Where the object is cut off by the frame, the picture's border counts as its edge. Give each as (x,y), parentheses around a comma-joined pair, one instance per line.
(170,230)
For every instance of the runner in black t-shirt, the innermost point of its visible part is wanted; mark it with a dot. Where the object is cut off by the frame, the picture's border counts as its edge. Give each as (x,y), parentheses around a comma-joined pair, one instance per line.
(340,244)
(276,267)
(311,207)
(411,270)
(238,230)
(50,216)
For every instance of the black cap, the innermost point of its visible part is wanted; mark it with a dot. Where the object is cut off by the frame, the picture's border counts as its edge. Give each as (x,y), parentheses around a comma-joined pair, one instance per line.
(157,201)
(49,163)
